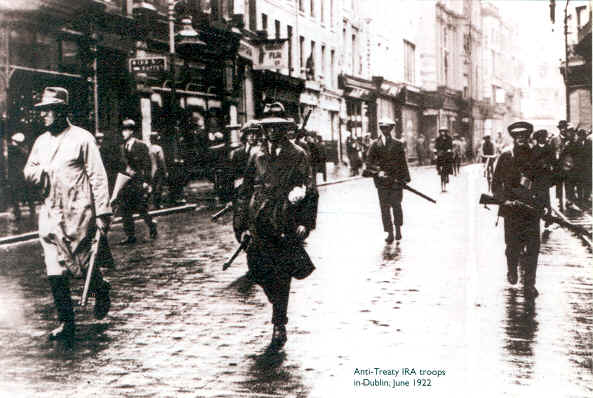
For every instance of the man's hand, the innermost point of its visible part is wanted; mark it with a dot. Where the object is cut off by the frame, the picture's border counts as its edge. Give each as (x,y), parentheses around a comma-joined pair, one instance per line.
(297,194)
(103,223)
(245,235)
(381,174)
(301,232)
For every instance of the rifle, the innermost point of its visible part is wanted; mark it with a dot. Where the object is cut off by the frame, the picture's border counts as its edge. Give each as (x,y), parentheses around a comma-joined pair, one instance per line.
(486,199)
(242,246)
(370,172)
(222,212)
(91,268)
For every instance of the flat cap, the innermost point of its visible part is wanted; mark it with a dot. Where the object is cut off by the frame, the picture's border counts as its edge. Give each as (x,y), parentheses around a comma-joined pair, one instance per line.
(520,129)
(128,123)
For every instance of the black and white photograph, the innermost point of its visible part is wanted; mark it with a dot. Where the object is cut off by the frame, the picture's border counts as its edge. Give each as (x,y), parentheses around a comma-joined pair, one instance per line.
(296,198)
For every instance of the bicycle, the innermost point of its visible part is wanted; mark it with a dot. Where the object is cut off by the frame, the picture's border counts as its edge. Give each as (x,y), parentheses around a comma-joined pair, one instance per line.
(444,167)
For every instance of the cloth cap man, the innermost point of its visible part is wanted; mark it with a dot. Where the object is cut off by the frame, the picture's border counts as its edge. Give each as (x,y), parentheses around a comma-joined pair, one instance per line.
(134,196)
(387,157)
(66,163)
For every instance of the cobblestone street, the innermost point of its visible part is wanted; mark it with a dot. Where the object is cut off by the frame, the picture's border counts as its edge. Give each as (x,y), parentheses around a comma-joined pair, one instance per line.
(438,300)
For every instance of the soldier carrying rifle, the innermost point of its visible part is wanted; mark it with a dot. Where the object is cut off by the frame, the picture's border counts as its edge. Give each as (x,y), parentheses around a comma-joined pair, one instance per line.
(518,186)
(277,208)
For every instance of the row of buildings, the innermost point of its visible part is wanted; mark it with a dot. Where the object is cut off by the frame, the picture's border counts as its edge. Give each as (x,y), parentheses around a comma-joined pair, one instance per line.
(428,64)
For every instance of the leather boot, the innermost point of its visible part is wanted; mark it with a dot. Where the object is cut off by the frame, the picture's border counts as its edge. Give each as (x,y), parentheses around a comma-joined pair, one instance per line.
(398,232)
(102,299)
(60,288)
(389,238)
(278,337)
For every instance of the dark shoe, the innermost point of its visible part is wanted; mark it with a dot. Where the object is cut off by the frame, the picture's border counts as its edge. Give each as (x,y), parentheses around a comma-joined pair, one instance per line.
(102,300)
(389,238)
(128,241)
(398,234)
(153,230)
(63,332)
(512,276)
(278,338)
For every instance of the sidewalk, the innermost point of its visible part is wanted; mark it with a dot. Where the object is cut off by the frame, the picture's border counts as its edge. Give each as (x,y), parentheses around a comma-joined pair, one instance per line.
(199,193)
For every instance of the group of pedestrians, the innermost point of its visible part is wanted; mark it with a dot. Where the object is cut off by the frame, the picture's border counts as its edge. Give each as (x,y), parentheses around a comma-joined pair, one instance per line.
(274,201)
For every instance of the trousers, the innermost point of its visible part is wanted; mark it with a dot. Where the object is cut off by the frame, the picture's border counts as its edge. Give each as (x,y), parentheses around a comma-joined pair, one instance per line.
(271,275)
(522,235)
(390,198)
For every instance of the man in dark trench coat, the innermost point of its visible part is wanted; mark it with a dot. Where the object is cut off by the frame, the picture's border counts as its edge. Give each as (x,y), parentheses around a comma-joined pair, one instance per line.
(277,208)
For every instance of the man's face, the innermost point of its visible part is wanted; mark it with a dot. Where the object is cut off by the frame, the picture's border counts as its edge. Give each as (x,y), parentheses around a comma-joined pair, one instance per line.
(49,116)
(198,119)
(275,134)
(521,141)
(127,133)
(386,131)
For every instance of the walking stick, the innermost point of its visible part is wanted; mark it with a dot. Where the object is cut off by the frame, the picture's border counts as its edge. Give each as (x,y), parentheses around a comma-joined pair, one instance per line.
(91,268)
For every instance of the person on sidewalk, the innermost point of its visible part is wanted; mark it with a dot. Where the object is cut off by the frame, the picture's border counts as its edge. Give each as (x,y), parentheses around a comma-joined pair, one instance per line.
(277,208)
(515,184)
(134,196)
(387,156)
(19,190)
(159,169)
(65,163)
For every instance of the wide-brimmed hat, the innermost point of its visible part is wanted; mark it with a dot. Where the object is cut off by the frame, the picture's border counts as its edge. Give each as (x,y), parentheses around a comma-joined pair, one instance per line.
(562,124)
(386,122)
(444,129)
(520,129)
(53,97)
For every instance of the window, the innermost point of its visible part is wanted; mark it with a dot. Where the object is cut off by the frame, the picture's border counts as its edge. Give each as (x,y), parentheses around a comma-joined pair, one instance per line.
(252,16)
(446,66)
(332,70)
(289,34)
(354,54)
(322,13)
(277,29)
(264,22)
(331,13)
(312,8)
(301,52)
(311,65)
(409,61)
(322,66)
(581,16)
(302,5)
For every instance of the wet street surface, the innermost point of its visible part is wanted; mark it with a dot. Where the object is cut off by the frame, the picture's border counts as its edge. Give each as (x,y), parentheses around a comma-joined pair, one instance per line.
(438,301)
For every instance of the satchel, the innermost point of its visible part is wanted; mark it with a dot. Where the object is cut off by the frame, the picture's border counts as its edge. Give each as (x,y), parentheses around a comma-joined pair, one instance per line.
(301,265)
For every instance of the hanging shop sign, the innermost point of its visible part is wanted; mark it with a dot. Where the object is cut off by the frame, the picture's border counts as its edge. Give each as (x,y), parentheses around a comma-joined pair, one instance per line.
(273,54)
(148,65)
(247,51)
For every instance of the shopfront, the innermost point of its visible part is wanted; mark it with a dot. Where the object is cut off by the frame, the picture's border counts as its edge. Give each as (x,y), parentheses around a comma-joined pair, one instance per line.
(361,107)
(271,86)
(410,116)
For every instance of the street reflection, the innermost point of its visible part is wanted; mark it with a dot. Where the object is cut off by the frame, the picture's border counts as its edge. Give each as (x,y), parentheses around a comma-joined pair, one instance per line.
(269,374)
(520,328)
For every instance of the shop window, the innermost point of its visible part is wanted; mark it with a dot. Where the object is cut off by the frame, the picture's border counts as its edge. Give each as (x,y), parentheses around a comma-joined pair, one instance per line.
(21,43)
(70,57)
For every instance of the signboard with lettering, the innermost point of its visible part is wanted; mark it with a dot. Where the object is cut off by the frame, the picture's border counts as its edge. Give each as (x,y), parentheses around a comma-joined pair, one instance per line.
(246,50)
(273,54)
(148,65)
